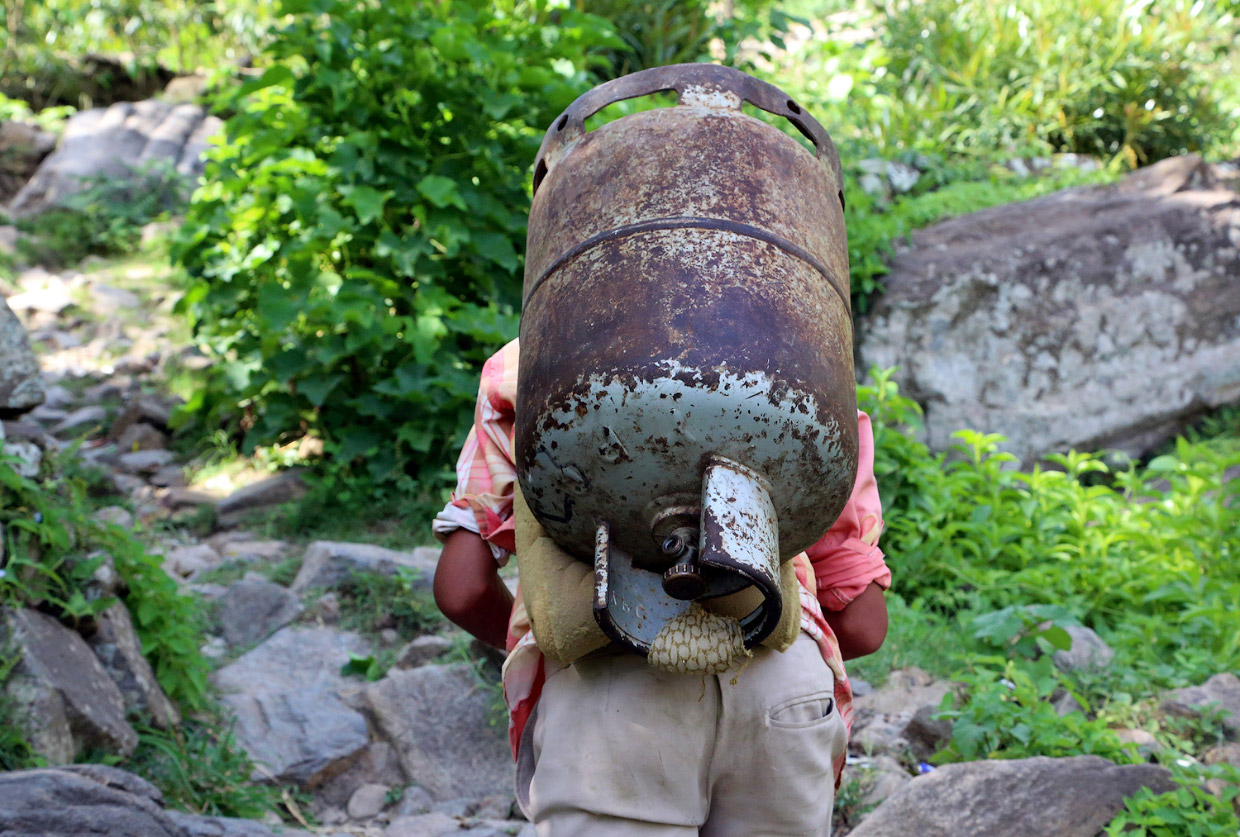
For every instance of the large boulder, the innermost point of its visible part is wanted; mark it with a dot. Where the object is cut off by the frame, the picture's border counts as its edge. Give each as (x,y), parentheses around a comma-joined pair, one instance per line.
(86,800)
(112,142)
(291,718)
(21,384)
(1096,317)
(66,701)
(328,563)
(22,147)
(437,719)
(1069,797)
(1220,694)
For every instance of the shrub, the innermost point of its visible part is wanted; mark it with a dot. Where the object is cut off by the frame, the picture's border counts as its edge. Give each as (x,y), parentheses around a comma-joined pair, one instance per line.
(1101,77)
(352,251)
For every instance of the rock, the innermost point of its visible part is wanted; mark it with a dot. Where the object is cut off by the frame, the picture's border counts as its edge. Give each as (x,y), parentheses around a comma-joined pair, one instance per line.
(1220,693)
(281,488)
(185,561)
(82,800)
(192,825)
(415,800)
(926,733)
(494,807)
(1069,797)
(1228,754)
(8,238)
(61,685)
(112,142)
(21,383)
(1144,740)
(1088,651)
(436,718)
(169,476)
(116,646)
(421,651)
(108,300)
(141,436)
(254,550)
(22,147)
(1066,704)
(326,609)
(185,498)
(433,824)
(81,418)
(882,717)
(886,776)
(145,461)
(28,456)
(377,765)
(328,563)
(143,409)
(1041,320)
(185,89)
(291,719)
(42,292)
(114,515)
(253,608)
(367,801)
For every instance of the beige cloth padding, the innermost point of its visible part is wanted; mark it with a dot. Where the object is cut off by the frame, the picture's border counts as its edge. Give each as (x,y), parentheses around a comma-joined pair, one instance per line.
(558,591)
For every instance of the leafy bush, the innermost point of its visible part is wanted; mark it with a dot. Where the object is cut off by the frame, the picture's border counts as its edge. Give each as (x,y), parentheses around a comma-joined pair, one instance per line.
(1146,554)
(1114,78)
(352,251)
(52,547)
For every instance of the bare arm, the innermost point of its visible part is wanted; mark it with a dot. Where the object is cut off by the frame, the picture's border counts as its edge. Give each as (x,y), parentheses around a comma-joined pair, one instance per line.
(860,627)
(468,589)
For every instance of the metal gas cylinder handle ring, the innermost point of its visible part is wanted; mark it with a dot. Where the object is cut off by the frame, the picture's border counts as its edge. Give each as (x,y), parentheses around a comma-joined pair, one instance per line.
(702,84)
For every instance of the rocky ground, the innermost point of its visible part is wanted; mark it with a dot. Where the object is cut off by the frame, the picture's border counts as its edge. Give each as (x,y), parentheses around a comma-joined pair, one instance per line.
(416,751)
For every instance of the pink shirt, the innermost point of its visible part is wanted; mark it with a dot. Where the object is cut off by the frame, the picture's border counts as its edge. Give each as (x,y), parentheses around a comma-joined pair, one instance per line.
(832,572)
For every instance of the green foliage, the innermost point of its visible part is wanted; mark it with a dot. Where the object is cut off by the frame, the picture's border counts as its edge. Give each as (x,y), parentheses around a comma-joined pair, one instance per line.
(1125,79)
(199,768)
(1190,810)
(15,750)
(52,547)
(371,602)
(352,251)
(105,218)
(1148,552)
(1008,714)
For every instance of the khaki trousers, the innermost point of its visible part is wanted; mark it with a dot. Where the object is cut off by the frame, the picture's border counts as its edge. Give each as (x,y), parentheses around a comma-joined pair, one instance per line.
(619,748)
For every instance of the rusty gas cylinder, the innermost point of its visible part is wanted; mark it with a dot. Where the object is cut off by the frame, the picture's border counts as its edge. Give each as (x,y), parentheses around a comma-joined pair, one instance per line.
(686,327)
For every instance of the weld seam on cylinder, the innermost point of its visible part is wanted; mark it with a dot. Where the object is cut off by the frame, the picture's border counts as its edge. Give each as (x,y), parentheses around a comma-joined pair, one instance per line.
(690,222)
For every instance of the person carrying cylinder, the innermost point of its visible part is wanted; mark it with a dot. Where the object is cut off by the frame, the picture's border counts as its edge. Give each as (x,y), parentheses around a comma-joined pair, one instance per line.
(673,452)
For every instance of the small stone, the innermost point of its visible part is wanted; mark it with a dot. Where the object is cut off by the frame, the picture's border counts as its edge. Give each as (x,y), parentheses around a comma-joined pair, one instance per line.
(253,608)
(169,476)
(1066,704)
(141,436)
(326,609)
(367,801)
(81,418)
(115,515)
(860,687)
(1147,745)
(433,824)
(927,733)
(388,637)
(1088,651)
(460,807)
(254,550)
(281,488)
(415,800)
(1220,693)
(886,776)
(328,563)
(421,651)
(106,299)
(145,461)
(182,498)
(494,807)
(188,560)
